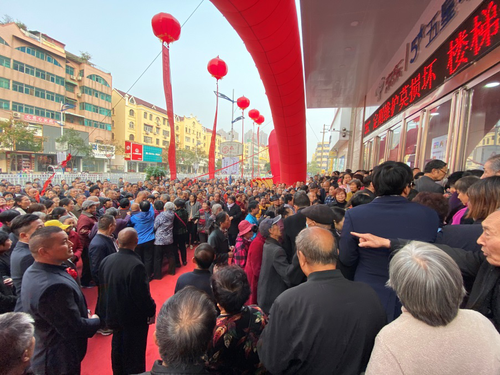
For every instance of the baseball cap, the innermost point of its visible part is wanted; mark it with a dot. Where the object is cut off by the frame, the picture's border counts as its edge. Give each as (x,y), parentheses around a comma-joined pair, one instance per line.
(320,213)
(86,204)
(56,223)
(266,225)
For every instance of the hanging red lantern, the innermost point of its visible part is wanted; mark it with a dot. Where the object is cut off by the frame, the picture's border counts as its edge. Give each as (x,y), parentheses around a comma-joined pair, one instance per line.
(217,68)
(243,103)
(259,120)
(166,27)
(253,114)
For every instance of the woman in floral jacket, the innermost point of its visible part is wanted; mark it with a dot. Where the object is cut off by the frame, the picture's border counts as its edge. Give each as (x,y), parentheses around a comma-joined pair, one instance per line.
(204,215)
(164,240)
(233,349)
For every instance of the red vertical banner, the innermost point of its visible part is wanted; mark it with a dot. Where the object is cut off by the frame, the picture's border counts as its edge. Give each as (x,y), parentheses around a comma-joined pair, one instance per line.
(211,152)
(167,87)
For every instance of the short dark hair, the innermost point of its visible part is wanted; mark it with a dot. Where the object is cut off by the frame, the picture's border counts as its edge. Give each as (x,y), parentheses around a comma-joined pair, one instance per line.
(145,206)
(65,202)
(4,236)
(473,172)
(231,288)
(8,215)
(158,205)
(453,178)
(56,213)
(204,255)
(105,221)
(391,178)
(338,214)
(48,203)
(252,205)
(360,199)
(463,184)
(434,164)
(19,223)
(288,198)
(124,203)
(184,327)
(42,237)
(436,201)
(93,187)
(300,199)
(35,207)
(367,180)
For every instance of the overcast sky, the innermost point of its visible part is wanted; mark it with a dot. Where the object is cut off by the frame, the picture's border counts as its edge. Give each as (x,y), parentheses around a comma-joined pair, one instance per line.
(119,37)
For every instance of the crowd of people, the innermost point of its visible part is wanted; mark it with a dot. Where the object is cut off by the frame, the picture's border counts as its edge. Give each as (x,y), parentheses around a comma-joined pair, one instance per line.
(387,271)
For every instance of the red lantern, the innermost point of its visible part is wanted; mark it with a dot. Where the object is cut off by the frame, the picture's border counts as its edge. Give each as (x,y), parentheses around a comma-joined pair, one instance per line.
(243,103)
(217,68)
(166,27)
(253,114)
(259,120)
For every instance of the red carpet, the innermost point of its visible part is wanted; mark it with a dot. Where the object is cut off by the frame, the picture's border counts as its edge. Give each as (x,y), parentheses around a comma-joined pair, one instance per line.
(98,358)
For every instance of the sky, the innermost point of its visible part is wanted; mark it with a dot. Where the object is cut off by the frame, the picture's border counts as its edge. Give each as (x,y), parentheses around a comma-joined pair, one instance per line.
(119,37)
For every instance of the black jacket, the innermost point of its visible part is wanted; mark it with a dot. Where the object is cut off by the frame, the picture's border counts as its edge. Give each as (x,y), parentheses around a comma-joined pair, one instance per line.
(218,240)
(124,296)
(56,303)
(293,225)
(100,247)
(235,212)
(198,278)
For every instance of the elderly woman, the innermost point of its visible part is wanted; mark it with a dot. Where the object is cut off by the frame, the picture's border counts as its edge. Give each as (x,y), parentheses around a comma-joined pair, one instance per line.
(17,342)
(164,240)
(433,335)
(233,349)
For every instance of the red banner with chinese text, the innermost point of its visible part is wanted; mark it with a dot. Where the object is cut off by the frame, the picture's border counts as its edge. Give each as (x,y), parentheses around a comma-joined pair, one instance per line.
(167,87)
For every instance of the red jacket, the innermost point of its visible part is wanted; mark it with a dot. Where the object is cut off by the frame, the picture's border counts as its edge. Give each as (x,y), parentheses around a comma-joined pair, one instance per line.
(84,227)
(252,268)
(77,245)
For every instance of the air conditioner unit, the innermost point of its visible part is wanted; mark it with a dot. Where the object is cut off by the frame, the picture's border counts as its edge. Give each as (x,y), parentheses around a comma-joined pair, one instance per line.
(16,115)
(79,95)
(72,77)
(79,78)
(147,132)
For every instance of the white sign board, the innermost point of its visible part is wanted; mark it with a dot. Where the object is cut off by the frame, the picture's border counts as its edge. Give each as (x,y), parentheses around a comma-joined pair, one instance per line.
(233,169)
(102,151)
(438,147)
(231,148)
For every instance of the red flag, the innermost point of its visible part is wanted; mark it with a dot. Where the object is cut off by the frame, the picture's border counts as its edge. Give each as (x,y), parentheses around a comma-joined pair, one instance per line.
(211,152)
(167,87)
(68,158)
(46,184)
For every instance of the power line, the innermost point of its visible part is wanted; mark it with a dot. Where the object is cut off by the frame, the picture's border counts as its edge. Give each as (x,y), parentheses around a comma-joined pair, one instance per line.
(145,70)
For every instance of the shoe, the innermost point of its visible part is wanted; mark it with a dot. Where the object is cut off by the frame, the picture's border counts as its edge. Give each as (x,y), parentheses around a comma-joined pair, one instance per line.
(191,247)
(105,332)
(184,263)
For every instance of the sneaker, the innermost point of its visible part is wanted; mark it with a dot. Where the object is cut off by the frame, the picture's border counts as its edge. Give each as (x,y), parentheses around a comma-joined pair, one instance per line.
(105,332)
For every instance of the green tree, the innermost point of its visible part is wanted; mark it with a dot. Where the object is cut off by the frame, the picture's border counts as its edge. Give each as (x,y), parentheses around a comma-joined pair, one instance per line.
(156,172)
(185,159)
(76,145)
(313,168)
(16,136)
(85,57)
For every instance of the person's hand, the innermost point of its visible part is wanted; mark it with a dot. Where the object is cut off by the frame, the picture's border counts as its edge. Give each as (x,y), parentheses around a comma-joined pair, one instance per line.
(152,319)
(230,254)
(369,240)
(94,316)
(128,213)
(8,281)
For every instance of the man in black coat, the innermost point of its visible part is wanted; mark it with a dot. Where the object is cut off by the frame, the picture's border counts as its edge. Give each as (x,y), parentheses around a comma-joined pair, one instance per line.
(325,325)
(7,297)
(102,245)
(54,300)
(236,215)
(295,223)
(204,256)
(125,304)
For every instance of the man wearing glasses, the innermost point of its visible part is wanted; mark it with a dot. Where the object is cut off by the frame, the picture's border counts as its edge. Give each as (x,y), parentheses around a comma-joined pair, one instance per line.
(434,171)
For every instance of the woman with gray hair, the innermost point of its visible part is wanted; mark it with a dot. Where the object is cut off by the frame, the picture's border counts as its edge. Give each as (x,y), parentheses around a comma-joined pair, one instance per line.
(17,343)
(164,240)
(433,336)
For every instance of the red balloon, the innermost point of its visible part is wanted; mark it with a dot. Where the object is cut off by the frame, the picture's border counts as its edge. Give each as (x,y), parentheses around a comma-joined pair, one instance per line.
(253,114)
(260,120)
(217,68)
(243,103)
(166,27)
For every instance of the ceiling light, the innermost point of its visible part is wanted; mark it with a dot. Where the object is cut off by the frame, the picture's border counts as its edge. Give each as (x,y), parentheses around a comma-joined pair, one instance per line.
(492,84)
(435,114)
(354,23)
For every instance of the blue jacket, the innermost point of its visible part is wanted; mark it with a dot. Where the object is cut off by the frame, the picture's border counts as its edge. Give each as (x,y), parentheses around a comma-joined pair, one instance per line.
(388,217)
(143,222)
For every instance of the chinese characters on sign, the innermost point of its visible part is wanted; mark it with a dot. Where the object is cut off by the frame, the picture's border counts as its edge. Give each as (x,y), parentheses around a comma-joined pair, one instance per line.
(39,119)
(477,35)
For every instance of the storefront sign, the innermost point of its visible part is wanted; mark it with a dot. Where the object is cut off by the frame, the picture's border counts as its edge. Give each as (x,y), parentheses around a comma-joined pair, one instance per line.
(152,154)
(473,39)
(231,148)
(133,151)
(101,151)
(39,119)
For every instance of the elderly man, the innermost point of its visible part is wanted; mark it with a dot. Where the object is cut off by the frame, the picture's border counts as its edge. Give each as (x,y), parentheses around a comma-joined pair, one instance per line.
(434,171)
(17,342)
(184,329)
(492,167)
(483,266)
(295,223)
(125,304)
(54,299)
(325,325)
(102,245)
(84,226)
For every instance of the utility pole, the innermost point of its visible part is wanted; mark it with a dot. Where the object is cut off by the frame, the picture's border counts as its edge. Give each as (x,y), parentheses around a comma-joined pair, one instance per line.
(323,145)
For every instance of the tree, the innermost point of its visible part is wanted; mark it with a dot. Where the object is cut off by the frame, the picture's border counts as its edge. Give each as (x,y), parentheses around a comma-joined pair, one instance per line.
(8,19)
(16,136)
(185,159)
(313,168)
(156,172)
(76,145)
(85,57)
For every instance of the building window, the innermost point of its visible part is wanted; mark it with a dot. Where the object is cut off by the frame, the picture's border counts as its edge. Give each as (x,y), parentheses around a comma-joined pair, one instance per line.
(131,125)
(187,148)
(95,109)
(188,140)
(70,87)
(148,139)
(165,143)
(2,41)
(131,112)
(157,142)
(148,128)
(4,83)
(150,117)
(98,79)
(165,133)
(157,120)
(146,115)
(70,70)
(39,54)
(177,128)
(131,137)
(95,93)
(4,61)
(164,121)
(4,104)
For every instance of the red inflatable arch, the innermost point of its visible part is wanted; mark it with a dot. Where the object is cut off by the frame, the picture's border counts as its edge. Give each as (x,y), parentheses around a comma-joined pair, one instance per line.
(269,29)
